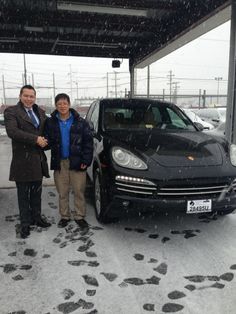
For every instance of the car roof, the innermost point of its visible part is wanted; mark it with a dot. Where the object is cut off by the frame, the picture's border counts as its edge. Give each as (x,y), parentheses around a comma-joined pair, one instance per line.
(144,101)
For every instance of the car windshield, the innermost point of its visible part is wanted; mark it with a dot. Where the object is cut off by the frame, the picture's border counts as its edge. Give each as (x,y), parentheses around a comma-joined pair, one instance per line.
(125,115)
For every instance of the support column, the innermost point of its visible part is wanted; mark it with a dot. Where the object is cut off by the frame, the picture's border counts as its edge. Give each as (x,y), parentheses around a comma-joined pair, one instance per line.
(230,131)
(133,80)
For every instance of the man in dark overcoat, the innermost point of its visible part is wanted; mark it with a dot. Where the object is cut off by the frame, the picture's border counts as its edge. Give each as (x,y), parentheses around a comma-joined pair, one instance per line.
(24,124)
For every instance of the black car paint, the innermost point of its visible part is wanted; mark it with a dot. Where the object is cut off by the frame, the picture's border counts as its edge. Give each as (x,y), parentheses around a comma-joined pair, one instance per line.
(173,157)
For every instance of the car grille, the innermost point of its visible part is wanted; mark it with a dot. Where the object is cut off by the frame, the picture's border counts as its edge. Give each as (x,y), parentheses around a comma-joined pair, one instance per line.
(186,191)
(146,188)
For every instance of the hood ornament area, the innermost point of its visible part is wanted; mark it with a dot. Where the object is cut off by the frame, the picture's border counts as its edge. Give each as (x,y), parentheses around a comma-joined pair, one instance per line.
(190,158)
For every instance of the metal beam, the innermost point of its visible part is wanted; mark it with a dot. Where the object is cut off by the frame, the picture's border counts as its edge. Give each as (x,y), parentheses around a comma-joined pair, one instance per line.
(188,36)
(230,131)
(133,79)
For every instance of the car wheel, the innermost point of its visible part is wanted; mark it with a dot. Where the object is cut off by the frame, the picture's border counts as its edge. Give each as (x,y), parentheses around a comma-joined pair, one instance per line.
(100,202)
(225,212)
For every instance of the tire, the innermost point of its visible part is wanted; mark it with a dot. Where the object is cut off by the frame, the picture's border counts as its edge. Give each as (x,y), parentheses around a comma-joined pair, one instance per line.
(225,212)
(100,200)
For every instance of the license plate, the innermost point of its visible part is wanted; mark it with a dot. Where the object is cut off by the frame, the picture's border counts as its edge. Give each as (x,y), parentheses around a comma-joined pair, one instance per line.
(198,206)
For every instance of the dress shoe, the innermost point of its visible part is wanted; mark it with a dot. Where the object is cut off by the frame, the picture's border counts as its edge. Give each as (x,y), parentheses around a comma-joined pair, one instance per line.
(24,232)
(82,223)
(63,223)
(42,223)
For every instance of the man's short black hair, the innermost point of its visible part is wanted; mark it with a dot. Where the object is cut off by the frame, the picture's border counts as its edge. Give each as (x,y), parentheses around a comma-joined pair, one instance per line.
(62,96)
(27,86)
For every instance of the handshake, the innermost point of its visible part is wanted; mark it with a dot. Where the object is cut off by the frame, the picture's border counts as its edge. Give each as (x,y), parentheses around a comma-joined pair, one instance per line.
(42,141)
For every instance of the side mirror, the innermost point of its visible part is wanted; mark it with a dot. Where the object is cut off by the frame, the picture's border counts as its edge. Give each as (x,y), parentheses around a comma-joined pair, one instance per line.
(199,126)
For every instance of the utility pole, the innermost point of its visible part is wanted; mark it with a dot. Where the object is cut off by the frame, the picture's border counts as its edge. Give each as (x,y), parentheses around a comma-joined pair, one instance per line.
(204,98)
(115,84)
(199,99)
(54,87)
(148,80)
(107,84)
(3,88)
(25,71)
(170,77)
(218,79)
(163,94)
(77,90)
(32,78)
(175,84)
(70,73)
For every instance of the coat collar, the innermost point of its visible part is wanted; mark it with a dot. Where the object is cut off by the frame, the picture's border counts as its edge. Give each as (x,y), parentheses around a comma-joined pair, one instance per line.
(20,104)
(22,112)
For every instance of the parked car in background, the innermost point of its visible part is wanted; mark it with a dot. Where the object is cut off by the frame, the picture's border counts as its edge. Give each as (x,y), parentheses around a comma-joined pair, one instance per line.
(195,118)
(218,131)
(2,119)
(2,130)
(212,115)
(148,155)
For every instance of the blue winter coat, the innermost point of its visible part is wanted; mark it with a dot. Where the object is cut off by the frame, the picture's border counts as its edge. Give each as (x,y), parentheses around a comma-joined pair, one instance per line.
(81,141)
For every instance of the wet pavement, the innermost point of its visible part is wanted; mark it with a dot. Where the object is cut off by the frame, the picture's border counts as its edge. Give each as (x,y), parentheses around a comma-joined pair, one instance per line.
(172,263)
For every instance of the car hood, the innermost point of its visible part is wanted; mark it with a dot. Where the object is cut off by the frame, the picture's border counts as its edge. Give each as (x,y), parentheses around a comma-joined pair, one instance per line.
(180,149)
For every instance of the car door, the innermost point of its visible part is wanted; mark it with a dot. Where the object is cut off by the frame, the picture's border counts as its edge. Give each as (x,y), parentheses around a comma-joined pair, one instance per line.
(93,119)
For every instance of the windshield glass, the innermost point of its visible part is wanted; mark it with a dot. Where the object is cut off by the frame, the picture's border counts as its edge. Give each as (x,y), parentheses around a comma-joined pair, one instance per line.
(126,115)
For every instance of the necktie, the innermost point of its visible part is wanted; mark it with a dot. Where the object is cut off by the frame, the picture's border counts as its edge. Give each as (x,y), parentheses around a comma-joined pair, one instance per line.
(35,123)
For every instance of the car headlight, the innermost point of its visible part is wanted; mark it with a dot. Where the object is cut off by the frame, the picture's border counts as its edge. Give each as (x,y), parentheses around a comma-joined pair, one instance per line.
(233,154)
(126,159)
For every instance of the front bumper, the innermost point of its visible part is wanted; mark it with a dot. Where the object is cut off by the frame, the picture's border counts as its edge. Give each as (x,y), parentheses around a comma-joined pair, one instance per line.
(120,202)
(139,193)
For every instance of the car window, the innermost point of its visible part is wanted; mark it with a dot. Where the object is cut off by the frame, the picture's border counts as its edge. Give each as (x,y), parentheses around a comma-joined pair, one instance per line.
(175,120)
(125,116)
(90,111)
(94,116)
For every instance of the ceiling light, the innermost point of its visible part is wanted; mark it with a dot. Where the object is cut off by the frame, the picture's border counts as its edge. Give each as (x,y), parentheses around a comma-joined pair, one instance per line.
(86,44)
(33,29)
(8,40)
(70,6)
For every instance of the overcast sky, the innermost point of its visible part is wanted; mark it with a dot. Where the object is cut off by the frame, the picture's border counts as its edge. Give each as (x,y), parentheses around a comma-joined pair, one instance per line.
(195,67)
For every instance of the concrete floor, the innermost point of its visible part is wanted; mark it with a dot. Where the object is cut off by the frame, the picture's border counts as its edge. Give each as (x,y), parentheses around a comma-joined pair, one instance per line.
(159,264)
(156,264)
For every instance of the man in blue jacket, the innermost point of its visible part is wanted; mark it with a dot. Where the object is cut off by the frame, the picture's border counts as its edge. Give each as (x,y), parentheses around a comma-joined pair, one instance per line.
(71,144)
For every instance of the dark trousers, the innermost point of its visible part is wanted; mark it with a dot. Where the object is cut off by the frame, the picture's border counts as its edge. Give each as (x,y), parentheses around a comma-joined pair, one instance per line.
(29,201)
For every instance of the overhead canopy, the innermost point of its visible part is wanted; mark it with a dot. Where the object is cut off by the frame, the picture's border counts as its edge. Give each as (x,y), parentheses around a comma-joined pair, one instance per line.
(140,30)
